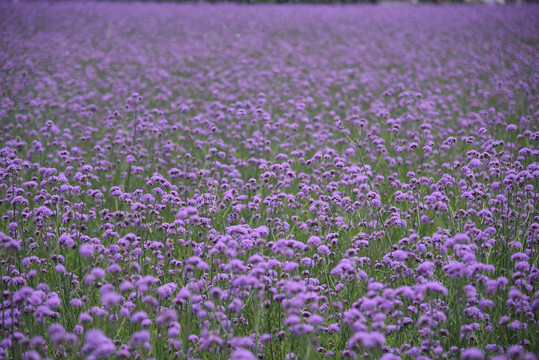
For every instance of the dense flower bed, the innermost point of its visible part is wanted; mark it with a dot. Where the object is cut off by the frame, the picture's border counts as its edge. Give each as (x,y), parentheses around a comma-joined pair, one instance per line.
(295,182)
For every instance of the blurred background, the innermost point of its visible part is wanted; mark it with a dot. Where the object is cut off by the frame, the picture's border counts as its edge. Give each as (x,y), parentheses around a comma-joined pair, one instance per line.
(494,2)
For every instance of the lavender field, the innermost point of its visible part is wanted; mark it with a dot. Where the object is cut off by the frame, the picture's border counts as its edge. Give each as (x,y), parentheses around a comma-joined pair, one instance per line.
(269,182)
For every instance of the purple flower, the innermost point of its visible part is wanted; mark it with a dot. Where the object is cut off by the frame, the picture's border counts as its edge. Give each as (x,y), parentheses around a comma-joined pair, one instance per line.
(290,266)
(399,255)
(86,251)
(140,338)
(32,355)
(97,345)
(367,339)
(472,354)
(314,240)
(511,128)
(76,302)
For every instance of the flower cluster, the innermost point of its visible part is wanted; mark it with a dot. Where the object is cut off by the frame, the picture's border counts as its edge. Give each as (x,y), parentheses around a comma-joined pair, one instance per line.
(202,182)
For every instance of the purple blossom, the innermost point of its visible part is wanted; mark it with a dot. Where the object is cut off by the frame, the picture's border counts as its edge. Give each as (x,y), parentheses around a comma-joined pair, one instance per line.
(472,354)
(97,345)
(268,184)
